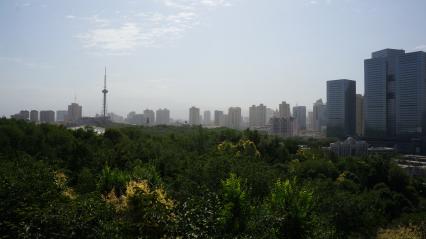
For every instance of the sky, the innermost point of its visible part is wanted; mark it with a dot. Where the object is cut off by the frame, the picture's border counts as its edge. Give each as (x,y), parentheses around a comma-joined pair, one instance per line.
(175,54)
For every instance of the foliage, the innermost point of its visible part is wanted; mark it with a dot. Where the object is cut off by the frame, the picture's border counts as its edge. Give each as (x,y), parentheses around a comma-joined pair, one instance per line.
(191,182)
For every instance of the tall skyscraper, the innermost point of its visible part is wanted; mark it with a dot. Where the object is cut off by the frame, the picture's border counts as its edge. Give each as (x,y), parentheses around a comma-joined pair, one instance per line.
(299,114)
(284,110)
(380,93)
(47,116)
(234,118)
(341,108)
(257,116)
(149,117)
(207,117)
(194,116)
(411,96)
(74,112)
(359,115)
(319,116)
(163,116)
(34,115)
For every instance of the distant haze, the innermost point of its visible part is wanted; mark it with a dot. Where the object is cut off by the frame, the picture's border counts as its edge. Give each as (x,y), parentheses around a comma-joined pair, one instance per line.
(174,54)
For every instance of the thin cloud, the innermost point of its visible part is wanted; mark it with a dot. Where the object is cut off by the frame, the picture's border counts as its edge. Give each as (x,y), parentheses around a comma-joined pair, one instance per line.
(26,63)
(420,48)
(145,29)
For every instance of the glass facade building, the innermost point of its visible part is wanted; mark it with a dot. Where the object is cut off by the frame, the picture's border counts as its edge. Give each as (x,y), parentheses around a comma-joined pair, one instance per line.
(411,95)
(379,90)
(341,108)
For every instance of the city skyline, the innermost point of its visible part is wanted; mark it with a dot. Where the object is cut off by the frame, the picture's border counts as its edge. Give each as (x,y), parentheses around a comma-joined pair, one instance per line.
(177,53)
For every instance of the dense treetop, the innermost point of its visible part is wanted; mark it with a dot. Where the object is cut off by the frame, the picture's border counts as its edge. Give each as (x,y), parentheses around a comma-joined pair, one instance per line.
(190,182)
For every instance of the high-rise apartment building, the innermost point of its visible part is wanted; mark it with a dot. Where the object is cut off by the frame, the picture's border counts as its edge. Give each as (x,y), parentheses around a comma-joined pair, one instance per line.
(380,93)
(162,116)
(74,112)
(282,126)
(207,117)
(149,116)
(359,115)
(34,115)
(284,110)
(61,115)
(234,118)
(47,116)
(217,117)
(257,116)
(319,116)
(299,114)
(194,116)
(341,108)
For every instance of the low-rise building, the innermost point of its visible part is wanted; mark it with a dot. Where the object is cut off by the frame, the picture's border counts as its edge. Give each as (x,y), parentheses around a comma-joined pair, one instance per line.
(349,147)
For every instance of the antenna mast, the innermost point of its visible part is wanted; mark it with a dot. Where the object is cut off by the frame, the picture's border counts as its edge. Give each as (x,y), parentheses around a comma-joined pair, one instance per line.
(104,91)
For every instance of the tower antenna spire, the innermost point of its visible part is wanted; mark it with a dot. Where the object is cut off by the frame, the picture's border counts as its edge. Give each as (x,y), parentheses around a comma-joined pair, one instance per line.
(104,92)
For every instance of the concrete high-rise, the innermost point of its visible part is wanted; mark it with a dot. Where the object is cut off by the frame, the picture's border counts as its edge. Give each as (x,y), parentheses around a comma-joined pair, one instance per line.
(282,126)
(207,117)
(257,116)
(359,115)
(319,116)
(380,93)
(34,116)
(162,116)
(299,114)
(411,96)
(284,110)
(234,118)
(217,117)
(47,116)
(149,117)
(310,121)
(194,116)
(341,108)
(74,112)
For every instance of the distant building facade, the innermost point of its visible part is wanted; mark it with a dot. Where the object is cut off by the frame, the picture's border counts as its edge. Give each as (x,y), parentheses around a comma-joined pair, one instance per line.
(282,126)
(411,95)
(163,116)
(149,117)
(207,117)
(34,117)
(359,115)
(341,108)
(257,116)
(349,147)
(47,116)
(234,118)
(218,115)
(319,116)
(194,116)
(284,110)
(61,115)
(380,93)
(299,115)
(74,112)
(310,121)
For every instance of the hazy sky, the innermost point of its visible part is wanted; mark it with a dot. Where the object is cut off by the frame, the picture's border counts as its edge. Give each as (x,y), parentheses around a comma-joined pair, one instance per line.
(177,53)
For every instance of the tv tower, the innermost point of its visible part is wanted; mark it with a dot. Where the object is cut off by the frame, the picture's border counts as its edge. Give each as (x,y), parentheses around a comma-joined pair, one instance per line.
(104,91)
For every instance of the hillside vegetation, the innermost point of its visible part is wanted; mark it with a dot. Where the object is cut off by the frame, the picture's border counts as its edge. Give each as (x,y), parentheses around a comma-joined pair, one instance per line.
(190,182)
